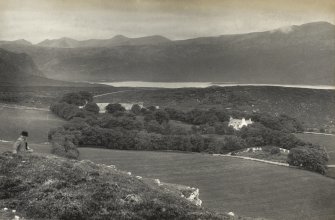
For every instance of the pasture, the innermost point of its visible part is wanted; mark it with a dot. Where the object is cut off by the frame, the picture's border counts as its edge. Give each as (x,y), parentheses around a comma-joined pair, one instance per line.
(247,188)
(36,122)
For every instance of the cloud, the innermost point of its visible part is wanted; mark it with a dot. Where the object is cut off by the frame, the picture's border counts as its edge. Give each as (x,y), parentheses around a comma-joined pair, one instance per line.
(285,29)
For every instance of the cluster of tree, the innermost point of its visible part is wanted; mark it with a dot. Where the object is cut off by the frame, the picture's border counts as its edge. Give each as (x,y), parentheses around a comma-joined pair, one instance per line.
(115,108)
(126,121)
(82,134)
(257,134)
(198,117)
(282,122)
(165,128)
(69,111)
(220,128)
(77,98)
(309,157)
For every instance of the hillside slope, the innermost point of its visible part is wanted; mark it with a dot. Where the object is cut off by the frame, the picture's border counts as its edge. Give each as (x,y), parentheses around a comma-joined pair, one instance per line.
(19,70)
(292,55)
(14,65)
(50,187)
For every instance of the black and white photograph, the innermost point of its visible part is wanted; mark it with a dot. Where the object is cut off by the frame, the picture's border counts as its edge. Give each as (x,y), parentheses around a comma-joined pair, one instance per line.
(167,109)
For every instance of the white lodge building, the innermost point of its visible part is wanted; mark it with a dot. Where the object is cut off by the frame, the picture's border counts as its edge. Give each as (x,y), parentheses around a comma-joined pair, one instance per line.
(237,124)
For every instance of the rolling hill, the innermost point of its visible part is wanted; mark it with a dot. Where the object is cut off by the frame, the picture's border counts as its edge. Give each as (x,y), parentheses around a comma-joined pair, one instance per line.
(292,55)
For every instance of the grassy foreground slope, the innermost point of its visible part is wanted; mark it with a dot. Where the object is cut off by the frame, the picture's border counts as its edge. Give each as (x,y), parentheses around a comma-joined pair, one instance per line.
(228,184)
(49,187)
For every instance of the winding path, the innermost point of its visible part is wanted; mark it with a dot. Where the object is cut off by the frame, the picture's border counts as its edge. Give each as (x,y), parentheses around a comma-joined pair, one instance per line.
(104,94)
(129,90)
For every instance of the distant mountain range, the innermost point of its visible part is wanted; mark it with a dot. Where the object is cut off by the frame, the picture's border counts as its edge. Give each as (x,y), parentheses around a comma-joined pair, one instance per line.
(118,40)
(302,54)
(19,42)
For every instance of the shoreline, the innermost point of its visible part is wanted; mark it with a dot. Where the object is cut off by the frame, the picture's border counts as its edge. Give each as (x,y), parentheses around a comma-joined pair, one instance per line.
(177,85)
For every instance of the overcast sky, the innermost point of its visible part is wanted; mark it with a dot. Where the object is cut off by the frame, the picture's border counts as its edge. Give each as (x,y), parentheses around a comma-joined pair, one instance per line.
(36,20)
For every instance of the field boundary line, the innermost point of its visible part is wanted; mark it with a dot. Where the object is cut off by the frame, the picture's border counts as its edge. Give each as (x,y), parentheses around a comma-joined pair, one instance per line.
(317,133)
(254,159)
(264,161)
(23,107)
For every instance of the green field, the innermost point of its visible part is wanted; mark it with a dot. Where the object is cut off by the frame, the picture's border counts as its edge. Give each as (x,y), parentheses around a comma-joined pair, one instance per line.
(228,184)
(37,123)
(324,140)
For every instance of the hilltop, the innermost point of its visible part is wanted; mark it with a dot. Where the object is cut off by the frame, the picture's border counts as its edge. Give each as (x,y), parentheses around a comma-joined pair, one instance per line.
(57,188)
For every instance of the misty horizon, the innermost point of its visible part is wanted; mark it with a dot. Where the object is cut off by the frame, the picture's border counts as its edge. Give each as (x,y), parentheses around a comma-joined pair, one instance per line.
(279,29)
(37,20)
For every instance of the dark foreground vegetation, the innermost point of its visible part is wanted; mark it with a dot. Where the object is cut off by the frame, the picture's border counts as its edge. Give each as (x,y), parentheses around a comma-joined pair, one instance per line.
(156,129)
(50,187)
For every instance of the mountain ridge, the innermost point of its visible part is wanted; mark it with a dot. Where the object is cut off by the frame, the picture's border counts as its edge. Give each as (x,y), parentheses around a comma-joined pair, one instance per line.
(117,40)
(299,54)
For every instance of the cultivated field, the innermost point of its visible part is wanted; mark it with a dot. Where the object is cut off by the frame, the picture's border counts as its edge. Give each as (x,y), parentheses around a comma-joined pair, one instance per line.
(228,184)
(37,123)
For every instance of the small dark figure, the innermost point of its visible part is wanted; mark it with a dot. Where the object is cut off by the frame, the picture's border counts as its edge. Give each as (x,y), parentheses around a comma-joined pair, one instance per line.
(21,143)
